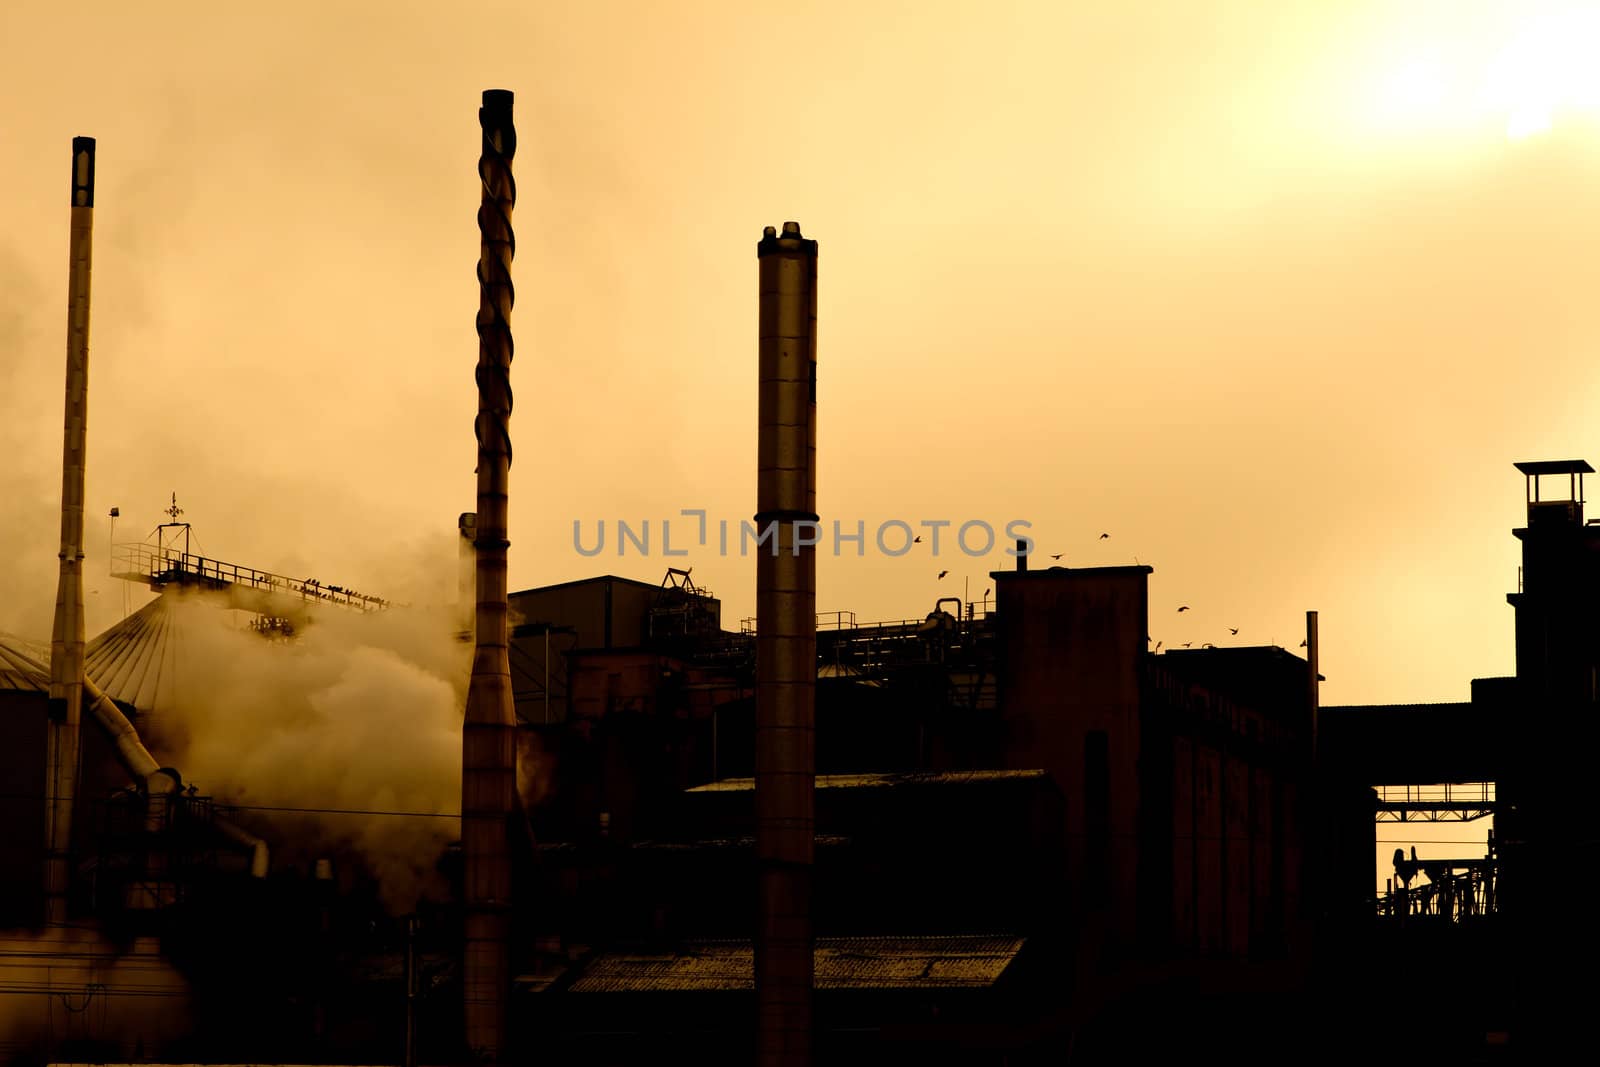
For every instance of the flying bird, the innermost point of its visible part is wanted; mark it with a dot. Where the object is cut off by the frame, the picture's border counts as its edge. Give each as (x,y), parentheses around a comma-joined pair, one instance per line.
(1233,630)
(1056,556)
(1184,608)
(943,573)
(1186,644)
(1104,536)
(1208,644)
(917,540)
(1302,644)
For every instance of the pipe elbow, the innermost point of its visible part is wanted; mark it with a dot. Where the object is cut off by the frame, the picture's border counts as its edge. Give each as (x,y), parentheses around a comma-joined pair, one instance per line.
(260,856)
(260,860)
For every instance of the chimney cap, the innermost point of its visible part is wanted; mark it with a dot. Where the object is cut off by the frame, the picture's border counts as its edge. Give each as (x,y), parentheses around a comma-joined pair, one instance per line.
(790,241)
(1555,466)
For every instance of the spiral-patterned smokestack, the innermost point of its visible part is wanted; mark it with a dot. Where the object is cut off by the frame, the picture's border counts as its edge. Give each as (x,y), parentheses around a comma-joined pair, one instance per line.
(67,634)
(488,741)
(786,643)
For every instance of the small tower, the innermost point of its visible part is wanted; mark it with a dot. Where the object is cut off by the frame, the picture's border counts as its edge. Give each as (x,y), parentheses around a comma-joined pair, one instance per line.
(1558,661)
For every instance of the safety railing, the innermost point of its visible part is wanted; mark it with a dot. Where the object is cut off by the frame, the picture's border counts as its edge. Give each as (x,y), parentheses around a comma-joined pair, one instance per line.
(162,565)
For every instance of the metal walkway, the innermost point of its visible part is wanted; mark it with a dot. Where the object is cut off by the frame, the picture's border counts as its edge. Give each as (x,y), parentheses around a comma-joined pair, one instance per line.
(1450,802)
(160,567)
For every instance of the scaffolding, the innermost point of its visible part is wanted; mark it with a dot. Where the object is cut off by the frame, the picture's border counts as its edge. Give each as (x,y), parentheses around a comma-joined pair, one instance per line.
(683,611)
(1456,891)
(960,649)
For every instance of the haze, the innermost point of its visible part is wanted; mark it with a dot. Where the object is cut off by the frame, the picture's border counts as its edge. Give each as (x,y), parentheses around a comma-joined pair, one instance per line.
(1272,294)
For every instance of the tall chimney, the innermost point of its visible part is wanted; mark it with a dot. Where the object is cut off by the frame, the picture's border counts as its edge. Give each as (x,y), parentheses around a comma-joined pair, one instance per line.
(66,637)
(786,644)
(488,737)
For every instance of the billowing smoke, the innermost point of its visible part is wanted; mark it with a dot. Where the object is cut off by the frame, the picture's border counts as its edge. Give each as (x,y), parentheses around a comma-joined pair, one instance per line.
(356,712)
(70,989)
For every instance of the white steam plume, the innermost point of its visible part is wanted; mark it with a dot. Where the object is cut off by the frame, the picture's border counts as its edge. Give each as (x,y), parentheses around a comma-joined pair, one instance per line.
(356,712)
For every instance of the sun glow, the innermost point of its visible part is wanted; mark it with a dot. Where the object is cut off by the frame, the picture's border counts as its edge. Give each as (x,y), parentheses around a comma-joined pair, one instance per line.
(1524,75)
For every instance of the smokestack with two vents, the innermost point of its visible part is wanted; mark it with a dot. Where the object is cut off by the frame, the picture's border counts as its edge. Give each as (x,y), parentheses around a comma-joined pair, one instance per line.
(786,644)
(67,634)
(488,738)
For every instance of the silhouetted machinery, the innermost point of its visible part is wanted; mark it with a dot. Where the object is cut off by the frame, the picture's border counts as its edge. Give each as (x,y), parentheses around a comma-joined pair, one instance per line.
(1455,890)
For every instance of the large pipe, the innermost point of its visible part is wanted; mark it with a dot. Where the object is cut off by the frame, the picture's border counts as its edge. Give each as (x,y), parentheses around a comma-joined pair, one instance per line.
(488,739)
(160,783)
(260,858)
(786,644)
(67,634)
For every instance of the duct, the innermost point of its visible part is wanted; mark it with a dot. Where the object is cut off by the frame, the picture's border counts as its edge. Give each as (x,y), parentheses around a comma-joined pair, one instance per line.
(786,644)
(488,736)
(160,783)
(260,857)
(130,749)
(62,753)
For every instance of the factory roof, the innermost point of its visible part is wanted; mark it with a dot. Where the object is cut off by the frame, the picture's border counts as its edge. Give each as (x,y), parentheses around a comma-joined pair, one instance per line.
(133,661)
(654,587)
(1059,571)
(888,780)
(24,664)
(1447,707)
(937,962)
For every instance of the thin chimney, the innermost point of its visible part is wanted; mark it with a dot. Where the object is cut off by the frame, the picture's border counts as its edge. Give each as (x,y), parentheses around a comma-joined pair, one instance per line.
(67,635)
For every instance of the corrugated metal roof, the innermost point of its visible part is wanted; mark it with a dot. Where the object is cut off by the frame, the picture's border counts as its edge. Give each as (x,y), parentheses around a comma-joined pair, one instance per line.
(884,780)
(937,962)
(24,664)
(132,662)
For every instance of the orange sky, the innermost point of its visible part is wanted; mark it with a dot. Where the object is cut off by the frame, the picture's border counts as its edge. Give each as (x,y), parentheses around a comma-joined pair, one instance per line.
(1267,292)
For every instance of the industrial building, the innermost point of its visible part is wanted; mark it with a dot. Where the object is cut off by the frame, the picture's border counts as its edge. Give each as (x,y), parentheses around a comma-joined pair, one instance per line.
(1024,822)
(980,835)
(1516,753)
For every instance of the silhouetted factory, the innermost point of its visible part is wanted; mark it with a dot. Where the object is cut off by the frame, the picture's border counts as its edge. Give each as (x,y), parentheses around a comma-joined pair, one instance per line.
(987,833)
(1022,818)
